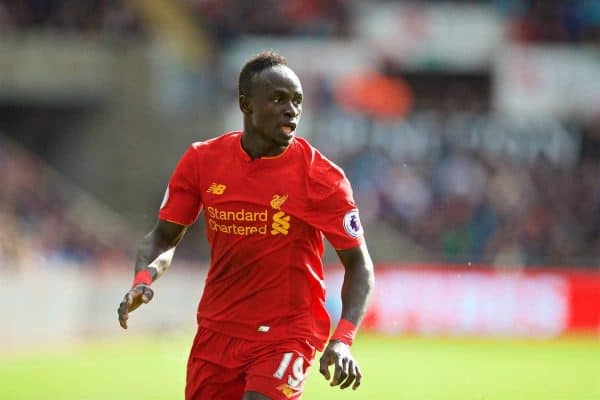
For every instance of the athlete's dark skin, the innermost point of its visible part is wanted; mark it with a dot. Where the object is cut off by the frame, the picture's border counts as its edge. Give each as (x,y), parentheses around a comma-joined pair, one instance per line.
(274,103)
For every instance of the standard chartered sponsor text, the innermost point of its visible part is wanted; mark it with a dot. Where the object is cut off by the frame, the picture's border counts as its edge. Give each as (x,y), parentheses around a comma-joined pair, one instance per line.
(220,220)
(240,215)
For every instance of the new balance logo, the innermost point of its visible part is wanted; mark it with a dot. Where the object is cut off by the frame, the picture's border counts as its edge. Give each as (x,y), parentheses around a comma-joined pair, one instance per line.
(216,188)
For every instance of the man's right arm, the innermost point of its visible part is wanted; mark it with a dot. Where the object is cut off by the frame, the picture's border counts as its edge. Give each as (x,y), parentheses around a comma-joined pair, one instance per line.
(153,259)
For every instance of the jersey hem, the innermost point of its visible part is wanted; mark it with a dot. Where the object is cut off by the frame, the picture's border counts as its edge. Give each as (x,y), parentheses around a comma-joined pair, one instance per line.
(233,330)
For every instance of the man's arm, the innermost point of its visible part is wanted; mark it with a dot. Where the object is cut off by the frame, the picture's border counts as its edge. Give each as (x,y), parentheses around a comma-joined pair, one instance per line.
(154,257)
(356,289)
(358,282)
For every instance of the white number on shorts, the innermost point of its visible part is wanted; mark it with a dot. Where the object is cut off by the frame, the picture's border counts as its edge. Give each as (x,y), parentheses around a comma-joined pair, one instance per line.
(297,375)
(285,361)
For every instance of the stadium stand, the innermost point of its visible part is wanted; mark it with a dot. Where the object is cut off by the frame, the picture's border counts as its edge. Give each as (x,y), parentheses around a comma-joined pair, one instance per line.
(43,218)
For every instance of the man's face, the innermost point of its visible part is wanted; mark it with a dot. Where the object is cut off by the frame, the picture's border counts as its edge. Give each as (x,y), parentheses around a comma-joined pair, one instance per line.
(275,105)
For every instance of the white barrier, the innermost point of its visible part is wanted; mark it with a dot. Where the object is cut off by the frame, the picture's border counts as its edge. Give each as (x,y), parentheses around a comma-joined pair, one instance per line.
(61,302)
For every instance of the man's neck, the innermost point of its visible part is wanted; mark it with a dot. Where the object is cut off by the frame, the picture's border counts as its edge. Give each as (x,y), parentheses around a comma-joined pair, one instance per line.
(256,147)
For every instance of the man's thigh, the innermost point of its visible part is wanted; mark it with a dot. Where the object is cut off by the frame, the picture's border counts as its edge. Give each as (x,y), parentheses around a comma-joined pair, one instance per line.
(212,370)
(255,396)
(206,380)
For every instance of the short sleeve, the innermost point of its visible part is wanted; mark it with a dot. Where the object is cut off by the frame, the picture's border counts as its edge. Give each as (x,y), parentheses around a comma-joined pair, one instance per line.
(332,207)
(182,202)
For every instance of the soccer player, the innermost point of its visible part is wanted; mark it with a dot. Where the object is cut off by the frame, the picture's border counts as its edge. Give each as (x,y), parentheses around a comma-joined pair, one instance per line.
(269,197)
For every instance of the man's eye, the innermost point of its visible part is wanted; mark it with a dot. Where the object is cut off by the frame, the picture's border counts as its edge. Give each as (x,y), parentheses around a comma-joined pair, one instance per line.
(277,100)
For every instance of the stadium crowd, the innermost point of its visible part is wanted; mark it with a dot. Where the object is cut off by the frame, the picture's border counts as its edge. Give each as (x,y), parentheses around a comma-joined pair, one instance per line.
(36,225)
(227,19)
(463,205)
(530,20)
(110,17)
(470,206)
(464,184)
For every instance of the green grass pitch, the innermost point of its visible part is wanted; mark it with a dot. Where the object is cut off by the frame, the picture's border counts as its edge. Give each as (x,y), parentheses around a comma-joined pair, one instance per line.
(394,368)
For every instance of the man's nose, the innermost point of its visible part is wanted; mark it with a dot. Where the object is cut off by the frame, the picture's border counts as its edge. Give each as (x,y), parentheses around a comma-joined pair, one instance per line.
(291,110)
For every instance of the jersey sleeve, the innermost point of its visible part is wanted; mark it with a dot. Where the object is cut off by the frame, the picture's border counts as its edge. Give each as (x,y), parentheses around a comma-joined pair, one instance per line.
(182,202)
(333,210)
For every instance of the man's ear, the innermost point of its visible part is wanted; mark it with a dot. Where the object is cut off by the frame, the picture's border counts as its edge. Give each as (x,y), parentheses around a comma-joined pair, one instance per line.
(245,105)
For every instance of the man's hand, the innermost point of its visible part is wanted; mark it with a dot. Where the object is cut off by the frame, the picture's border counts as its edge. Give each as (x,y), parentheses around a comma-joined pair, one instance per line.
(132,300)
(346,368)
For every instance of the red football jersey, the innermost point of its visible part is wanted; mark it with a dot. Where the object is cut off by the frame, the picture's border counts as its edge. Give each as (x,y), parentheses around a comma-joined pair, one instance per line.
(265,221)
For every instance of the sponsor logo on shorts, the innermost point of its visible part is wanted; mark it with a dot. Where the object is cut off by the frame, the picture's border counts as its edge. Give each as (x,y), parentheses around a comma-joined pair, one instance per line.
(352,224)
(286,389)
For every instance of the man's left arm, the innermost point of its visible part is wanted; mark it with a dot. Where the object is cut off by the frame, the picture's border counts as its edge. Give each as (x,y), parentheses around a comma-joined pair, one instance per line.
(356,289)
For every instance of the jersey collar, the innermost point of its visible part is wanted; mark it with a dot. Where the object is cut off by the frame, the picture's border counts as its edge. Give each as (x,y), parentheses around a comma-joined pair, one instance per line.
(246,157)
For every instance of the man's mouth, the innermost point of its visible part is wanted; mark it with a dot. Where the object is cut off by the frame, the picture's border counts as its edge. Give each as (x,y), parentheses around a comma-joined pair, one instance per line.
(288,128)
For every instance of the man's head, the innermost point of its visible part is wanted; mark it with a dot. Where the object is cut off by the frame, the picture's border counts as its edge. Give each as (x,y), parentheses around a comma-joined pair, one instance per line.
(270,97)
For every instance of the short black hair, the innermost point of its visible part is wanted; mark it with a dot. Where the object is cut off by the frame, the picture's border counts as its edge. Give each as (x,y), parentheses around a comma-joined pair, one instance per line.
(255,65)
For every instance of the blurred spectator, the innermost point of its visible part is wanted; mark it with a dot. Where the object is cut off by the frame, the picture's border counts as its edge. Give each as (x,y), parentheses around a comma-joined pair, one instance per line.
(572,21)
(590,146)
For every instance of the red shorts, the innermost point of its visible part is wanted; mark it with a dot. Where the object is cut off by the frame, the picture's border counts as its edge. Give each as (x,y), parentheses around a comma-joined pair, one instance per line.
(222,367)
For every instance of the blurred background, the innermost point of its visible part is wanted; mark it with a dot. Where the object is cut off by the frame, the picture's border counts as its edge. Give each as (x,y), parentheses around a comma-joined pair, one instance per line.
(470,131)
